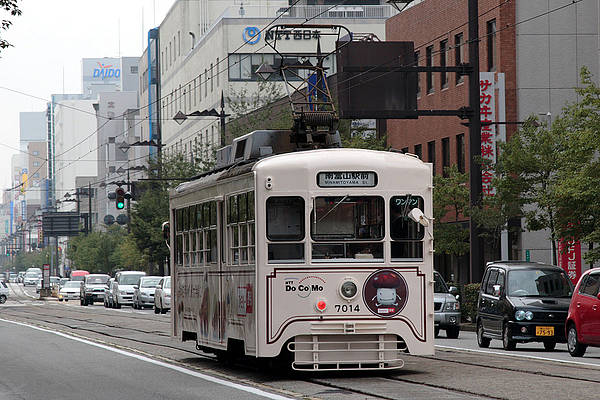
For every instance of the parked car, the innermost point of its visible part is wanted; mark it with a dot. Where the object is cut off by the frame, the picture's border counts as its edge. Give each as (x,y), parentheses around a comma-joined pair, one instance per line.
(78,274)
(70,291)
(162,296)
(12,277)
(31,278)
(583,320)
(143,294)
(108,293)
(523,302)
(4,291)
(446,308)
(92,288)
(123,290)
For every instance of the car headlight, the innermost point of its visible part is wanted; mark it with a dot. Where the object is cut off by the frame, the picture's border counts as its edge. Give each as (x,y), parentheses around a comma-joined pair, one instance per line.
(528,315)
(123,291)
(452,306)
(520,315)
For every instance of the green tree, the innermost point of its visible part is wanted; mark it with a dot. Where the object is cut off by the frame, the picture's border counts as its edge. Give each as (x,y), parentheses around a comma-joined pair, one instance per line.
(577,189)
(450,204)
(95,252)
(152,208)
(24,260)
(526,175)
(11,7)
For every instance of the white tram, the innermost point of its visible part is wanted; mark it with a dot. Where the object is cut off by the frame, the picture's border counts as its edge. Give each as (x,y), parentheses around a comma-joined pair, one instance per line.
(313,254)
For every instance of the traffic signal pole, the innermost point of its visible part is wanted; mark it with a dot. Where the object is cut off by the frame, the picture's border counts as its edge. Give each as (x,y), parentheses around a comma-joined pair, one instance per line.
(476,256)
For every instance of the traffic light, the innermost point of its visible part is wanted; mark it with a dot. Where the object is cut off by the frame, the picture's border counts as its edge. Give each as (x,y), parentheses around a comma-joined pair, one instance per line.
(120,199)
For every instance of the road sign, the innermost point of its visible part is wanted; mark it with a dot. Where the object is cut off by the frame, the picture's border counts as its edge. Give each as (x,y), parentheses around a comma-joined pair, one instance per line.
(60,223)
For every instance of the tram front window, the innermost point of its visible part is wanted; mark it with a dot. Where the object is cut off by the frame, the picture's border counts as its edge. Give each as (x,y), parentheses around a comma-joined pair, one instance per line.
(349,228)
(285,225)
(407,235)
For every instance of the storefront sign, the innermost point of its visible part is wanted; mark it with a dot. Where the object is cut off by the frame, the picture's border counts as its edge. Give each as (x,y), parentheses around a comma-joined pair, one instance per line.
(347,179)
(487,109)
(569,259)
(251,35)
(106,71)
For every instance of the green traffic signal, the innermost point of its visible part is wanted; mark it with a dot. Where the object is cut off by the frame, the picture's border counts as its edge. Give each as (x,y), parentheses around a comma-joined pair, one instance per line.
(120,205)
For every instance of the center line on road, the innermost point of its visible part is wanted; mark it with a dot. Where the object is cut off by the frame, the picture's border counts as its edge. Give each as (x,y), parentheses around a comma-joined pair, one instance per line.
(519,356)
(244,388)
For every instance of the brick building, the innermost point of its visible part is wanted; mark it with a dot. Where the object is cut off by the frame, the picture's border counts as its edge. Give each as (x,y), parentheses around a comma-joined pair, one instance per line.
(540,49)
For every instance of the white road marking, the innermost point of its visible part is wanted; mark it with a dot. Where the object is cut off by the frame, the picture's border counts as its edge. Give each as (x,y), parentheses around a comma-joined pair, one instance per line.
(209,378)
(518,356)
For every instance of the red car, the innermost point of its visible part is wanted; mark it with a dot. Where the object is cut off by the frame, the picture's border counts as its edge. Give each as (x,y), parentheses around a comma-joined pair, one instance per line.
(583,320)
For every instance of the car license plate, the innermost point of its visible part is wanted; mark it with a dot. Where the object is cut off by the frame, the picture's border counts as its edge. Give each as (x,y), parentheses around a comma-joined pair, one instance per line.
(544,331)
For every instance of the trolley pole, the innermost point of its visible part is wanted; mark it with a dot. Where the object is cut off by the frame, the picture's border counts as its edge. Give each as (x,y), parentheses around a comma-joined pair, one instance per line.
(476,260)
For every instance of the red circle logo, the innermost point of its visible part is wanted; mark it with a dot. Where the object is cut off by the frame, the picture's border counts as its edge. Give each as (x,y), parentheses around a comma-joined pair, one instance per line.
(385,293)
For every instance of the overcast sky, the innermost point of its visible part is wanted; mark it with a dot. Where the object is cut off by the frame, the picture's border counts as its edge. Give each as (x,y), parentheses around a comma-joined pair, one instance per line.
(53,36)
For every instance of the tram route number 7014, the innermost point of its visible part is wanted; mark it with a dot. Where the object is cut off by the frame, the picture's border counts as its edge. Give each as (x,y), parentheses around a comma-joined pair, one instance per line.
(347,308)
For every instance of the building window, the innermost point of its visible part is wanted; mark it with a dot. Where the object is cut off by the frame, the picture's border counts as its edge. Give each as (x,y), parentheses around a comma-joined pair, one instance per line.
(419,151)
(431,154)
(36,153)
(205,82)
(212,78)
(417,55)
(459,55)
(200,88)
(443,62)
(405,150)
(190,95)
(242,67)
(36,163)
(429,63)
(217,66)
(133,69)
(491,45)
(170,53)
(445,155)
(178,43)
(460,152)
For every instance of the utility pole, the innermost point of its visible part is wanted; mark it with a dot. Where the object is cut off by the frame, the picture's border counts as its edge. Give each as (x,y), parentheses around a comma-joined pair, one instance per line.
(128,203)
(90,206)
(476,253)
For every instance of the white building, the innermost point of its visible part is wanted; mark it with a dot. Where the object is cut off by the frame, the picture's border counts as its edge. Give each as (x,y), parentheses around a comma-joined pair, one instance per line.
(76,146)
(206,48)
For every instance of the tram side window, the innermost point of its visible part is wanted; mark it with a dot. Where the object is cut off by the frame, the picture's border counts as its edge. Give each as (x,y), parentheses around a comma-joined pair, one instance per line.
(407,235)
(349,228)
(285,226)
(206,235)
(240,228)
(178,250)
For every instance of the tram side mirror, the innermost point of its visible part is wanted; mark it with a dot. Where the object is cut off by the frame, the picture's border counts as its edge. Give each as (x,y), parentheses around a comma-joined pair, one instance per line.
(166,230)
(417,215)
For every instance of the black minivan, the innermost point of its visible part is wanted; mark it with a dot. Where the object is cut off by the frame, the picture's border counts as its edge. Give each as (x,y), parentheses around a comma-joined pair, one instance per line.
(521,302)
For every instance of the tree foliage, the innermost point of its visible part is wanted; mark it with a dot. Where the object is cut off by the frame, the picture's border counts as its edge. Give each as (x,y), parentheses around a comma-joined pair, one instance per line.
(450,204)
(24,260)
(96,252)
(10,7)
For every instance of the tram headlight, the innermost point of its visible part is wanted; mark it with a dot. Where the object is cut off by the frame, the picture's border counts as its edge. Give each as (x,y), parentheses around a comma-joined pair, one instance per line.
(348,289)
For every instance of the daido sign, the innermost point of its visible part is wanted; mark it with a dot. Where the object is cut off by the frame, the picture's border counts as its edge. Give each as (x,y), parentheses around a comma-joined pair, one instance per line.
(106,71)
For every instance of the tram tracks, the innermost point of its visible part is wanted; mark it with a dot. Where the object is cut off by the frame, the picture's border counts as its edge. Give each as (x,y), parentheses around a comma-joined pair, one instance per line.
(120,331)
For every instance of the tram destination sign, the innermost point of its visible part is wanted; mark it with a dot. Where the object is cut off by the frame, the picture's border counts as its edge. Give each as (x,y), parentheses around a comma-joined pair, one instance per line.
(347,179)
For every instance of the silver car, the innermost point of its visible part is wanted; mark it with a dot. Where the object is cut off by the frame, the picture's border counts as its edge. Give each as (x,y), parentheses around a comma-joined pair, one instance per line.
(3,292)
(162,296)
(143,294)
(70,291)
(446,308)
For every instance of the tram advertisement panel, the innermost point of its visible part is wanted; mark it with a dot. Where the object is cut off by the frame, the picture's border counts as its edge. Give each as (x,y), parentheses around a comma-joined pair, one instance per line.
(362,292)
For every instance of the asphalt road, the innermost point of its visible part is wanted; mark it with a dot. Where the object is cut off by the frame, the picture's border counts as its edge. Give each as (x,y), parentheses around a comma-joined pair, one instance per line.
(467,341)
(39,364)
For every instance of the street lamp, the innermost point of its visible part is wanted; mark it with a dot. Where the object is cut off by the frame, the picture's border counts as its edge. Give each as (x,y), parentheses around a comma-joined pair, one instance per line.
(180,117)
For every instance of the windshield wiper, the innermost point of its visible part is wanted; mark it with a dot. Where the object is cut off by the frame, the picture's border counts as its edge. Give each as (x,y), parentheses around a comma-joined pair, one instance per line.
(332,208)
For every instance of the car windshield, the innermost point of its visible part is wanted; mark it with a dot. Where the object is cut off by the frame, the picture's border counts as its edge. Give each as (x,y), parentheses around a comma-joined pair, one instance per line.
(94,280)
(129,279)
(31,275)
(150,282)
(439,286)
(168,283)
(538,283)
(72,284)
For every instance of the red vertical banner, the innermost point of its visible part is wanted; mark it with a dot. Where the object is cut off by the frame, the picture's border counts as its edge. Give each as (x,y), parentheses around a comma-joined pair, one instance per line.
(487,109)
(570,259)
